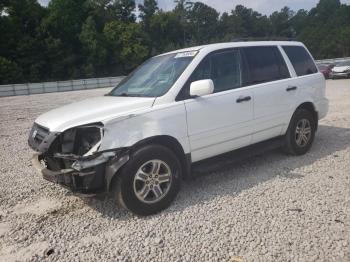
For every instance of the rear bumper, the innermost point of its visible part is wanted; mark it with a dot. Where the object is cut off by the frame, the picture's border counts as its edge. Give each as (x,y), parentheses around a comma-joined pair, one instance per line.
(88,181)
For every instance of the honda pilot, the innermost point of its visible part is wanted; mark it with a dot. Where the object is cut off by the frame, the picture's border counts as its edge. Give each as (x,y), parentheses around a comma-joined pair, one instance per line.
(139,141)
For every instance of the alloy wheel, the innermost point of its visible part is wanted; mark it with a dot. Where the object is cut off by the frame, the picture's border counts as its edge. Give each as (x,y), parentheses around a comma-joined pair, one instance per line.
(303,132)
(152,181)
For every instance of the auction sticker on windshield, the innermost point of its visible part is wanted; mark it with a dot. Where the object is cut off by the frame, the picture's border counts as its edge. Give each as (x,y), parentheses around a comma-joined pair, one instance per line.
(186,54)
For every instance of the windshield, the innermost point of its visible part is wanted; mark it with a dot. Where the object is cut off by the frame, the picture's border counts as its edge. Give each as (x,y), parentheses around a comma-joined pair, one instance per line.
(154,77)
(345,63)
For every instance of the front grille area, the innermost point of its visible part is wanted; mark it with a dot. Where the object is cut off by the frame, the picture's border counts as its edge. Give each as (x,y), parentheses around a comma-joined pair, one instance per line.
(41,133)
(37,135)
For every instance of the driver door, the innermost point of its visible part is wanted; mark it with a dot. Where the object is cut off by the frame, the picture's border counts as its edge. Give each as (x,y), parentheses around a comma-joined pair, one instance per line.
(222,121)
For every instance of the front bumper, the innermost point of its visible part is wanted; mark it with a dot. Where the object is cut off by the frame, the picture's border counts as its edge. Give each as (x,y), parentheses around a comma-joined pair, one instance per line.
(87,181)
(93,177)
(89,173)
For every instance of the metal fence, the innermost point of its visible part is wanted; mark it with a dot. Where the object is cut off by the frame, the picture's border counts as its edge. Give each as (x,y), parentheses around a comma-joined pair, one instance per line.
(59,86)
(332,61)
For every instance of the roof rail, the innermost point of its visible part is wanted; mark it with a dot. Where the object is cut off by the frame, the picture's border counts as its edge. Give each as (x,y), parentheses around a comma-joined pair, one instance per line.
(272,38)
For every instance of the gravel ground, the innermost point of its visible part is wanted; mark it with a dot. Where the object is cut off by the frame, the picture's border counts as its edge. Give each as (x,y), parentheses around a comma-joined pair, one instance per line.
(266,208)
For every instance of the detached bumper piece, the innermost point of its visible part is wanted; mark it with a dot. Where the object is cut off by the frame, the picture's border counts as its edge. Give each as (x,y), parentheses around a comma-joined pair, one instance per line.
(86,181)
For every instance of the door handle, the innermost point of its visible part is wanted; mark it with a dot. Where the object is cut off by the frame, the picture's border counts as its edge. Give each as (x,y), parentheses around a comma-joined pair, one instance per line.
(243,99)
(291,88)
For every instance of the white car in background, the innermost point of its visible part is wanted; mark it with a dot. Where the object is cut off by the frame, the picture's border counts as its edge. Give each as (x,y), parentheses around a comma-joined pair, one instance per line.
(341,70)
(179,108)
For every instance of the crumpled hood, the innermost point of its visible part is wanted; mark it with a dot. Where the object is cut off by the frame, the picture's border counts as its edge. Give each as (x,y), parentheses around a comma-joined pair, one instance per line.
(340,69)
(91,110)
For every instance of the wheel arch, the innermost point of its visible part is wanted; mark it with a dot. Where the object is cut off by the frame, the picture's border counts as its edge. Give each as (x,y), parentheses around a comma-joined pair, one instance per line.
(172,144)
(167,141)
(309,106)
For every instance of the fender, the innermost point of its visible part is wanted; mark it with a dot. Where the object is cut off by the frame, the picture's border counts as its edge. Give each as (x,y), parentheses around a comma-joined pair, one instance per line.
(168,120)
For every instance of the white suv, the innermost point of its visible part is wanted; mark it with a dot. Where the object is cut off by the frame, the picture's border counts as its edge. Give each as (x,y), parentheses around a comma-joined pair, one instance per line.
(176,109)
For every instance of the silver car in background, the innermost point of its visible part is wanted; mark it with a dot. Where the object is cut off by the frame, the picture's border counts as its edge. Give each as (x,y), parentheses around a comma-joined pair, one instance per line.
(341,70)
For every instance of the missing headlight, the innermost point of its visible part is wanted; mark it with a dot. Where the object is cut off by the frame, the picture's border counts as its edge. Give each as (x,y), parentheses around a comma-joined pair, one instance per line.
(74,144)
(81,141)
(86,139)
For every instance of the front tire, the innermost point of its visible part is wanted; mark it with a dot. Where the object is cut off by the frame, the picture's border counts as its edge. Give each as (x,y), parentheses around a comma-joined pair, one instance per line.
(150,180)
(301,133)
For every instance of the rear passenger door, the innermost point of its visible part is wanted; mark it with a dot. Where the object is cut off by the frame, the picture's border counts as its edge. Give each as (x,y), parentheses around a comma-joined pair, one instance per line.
(273,92)
(310,82)
(222,121)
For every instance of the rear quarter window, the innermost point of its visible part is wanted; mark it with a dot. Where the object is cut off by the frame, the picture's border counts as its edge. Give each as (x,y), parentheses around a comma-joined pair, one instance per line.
(301,60)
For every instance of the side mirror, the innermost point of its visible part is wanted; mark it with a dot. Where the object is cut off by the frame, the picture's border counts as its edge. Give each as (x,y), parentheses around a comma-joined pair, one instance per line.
(201,88)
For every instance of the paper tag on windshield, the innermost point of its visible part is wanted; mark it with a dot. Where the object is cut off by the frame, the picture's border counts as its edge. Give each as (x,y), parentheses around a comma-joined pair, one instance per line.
(186,54)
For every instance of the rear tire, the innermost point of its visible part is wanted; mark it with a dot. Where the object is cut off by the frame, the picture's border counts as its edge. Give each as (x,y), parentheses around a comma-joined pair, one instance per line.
(149,181)
(301,133)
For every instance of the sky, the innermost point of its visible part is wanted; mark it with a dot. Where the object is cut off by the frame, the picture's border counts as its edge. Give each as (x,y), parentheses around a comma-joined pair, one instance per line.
(262,6)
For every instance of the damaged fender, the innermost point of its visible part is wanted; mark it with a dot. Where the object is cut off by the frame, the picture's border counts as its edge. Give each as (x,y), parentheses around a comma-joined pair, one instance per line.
(165,120)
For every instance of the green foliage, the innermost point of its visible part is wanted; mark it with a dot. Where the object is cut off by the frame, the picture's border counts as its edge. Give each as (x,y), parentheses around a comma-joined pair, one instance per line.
(322,30)
(9,72)
(203,23)
(124,10)
(252,23)
(93,49)
(125,44)
(281,23)
(147,10)
(345,40)
(65,18)
(165,29)
(95,38)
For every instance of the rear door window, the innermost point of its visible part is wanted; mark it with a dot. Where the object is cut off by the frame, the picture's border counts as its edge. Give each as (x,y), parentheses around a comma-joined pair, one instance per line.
(265,64)
(301,60)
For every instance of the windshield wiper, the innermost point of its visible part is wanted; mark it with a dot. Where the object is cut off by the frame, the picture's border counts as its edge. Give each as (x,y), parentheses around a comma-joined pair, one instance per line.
(122,94)
(128,95)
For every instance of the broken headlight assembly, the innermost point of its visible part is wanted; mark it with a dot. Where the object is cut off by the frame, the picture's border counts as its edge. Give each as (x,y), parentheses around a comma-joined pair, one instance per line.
(81,141)
(74,147)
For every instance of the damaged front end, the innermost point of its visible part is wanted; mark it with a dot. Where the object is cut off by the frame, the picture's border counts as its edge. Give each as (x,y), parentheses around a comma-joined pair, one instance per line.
(73,160)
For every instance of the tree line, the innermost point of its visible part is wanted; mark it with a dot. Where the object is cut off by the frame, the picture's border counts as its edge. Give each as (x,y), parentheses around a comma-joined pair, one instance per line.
(72,39)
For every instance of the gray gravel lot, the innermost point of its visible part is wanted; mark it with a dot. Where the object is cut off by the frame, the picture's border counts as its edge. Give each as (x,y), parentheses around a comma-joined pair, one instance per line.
(266,208)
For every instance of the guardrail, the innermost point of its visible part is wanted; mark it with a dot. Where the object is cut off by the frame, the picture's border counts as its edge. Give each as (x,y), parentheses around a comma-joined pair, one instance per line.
(332,61)
(59,86)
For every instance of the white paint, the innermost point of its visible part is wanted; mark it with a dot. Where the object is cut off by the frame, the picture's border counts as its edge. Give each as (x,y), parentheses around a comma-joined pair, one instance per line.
(202,87)
(217,124)
(91,110)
